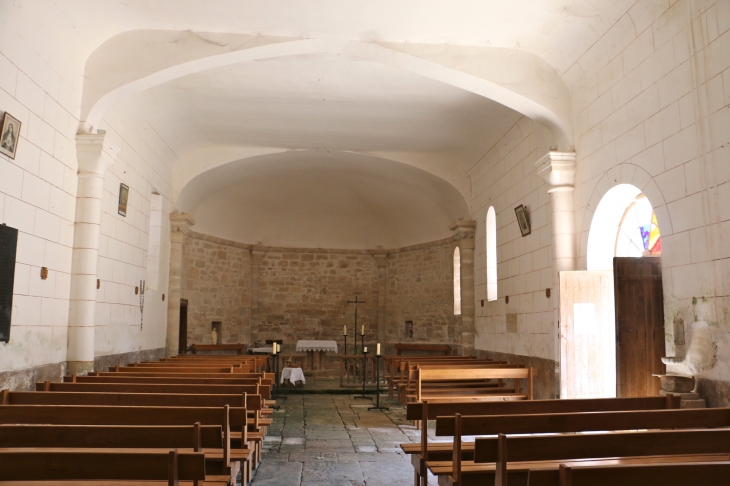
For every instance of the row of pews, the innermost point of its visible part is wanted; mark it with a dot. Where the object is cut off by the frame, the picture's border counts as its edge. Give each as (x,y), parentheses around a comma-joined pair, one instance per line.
(505,437)
(198,420)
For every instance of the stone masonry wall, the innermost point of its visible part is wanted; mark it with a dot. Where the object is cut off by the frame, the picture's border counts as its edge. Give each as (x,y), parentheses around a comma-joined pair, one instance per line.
(303,296)
(217,284)
(420,285)
(303,293)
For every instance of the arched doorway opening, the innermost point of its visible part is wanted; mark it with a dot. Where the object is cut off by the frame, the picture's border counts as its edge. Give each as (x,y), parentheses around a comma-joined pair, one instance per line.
(613,311)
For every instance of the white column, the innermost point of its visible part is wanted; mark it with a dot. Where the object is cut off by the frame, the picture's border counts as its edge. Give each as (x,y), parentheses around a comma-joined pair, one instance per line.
(558,170)
(179,226)
(465,231)
(94,155)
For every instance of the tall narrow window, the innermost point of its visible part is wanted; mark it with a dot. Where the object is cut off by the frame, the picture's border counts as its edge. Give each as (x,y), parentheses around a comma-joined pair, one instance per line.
(155,237)
(491,254)
(457,282)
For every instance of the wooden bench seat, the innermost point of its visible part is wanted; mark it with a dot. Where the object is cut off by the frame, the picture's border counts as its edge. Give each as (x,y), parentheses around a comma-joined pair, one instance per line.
(458,426)
(99,467)
(679,473)
(423,412)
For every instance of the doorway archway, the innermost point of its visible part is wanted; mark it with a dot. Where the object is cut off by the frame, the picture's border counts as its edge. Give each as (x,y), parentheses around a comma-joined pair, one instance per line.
(593,361)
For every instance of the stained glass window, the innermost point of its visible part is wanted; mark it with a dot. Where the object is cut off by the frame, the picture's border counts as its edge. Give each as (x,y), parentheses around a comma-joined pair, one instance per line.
(639,233)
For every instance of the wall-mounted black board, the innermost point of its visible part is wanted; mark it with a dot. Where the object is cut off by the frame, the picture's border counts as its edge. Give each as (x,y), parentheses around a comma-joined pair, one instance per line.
(8,250)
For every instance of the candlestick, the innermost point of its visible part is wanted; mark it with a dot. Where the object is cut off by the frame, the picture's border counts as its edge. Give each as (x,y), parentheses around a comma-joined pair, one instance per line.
(273,348)
(377,349)
(365,349)
(278,348)
(344,331)
(363,330)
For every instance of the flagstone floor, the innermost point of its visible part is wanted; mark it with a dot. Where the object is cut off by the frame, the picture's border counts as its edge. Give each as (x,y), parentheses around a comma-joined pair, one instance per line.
(334,440)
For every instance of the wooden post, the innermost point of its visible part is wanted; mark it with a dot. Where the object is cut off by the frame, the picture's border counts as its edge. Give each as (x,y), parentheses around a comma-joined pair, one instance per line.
(424,443)
(565,475)
(456,459)
(500,478)
(172,477)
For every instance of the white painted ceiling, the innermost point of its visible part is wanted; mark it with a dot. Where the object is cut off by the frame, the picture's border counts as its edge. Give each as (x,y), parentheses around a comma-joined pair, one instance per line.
(318,200)
(329,108)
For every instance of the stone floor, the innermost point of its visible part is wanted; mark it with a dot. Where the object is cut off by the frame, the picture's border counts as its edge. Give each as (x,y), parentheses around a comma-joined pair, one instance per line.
(334,440)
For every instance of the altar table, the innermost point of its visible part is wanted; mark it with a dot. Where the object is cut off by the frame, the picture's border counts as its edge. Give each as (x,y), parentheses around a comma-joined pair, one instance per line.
(316,350)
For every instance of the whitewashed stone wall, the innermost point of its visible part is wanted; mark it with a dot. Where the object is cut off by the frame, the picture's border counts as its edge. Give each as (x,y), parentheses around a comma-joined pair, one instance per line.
(505,178)
(651,109)
(41,78)
(40,84)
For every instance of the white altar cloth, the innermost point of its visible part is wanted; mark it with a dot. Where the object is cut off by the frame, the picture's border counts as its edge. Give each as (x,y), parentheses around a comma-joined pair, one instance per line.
(314,345)
(293,375)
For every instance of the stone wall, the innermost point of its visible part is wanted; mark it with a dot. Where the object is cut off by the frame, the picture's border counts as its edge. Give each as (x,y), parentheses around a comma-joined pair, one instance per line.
(303,295)
(420,288)
(261,293)
(217,285)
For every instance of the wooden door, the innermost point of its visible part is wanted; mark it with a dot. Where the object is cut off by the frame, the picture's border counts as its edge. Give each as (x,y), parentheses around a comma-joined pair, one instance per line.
(587,335)
(183,337)
(639,325)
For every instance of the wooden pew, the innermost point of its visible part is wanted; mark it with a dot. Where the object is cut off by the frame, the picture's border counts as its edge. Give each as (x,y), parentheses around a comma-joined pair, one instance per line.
(672,474)
(226,417)
(406,387)
(193,438)
(129,395)
(514,457)
(177,369)
(478,392)
(444,349)
(132,386)
(457,426)
(101,467)
(394,367)
(423,412)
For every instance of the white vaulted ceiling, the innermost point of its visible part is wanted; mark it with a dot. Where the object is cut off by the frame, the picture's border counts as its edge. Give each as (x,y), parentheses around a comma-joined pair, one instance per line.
(333,123)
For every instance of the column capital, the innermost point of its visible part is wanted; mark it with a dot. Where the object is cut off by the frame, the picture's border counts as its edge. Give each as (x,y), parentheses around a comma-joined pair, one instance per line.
(94,153)
(464,228)
(381,258)
(558,170)
(181,222)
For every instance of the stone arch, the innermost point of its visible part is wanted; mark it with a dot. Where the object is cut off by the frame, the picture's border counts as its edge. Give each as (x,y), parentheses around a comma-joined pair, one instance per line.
(624,174)
(542,97)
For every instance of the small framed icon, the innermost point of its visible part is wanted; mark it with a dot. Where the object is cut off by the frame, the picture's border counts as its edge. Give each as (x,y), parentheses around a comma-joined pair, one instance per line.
(123,199)
(9,135)
(522,220)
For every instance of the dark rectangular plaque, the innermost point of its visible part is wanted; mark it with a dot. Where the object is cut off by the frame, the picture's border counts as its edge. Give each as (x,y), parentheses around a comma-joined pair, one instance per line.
(8,248)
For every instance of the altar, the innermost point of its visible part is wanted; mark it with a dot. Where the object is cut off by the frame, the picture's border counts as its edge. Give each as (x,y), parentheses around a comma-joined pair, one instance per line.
(316,351)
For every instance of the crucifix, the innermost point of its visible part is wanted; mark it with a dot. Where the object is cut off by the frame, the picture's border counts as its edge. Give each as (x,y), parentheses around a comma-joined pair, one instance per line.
(354,334)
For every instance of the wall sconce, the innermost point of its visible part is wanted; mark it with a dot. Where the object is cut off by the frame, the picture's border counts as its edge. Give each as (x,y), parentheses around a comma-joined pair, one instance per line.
(163,297)
(506,299)
(44,273)
(482,302)
(547,293)
(98,284)
(136,291)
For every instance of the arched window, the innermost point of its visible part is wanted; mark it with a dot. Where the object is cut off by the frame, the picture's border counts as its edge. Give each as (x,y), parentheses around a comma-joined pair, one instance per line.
(457,282)
(491,254)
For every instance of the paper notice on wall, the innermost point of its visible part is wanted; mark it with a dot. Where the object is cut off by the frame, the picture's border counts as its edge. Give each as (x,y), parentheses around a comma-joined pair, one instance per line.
(584,319)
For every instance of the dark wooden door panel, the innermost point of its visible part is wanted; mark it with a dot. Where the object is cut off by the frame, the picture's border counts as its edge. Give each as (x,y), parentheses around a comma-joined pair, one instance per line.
(639,325)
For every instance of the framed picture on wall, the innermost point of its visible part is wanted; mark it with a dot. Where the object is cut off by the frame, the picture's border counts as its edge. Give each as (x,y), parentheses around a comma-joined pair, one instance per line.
(522,220)
(123,199)
(9,135)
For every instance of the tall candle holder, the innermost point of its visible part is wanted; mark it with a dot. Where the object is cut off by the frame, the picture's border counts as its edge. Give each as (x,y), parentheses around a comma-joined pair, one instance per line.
(345,337)
(377,385)
(364,374)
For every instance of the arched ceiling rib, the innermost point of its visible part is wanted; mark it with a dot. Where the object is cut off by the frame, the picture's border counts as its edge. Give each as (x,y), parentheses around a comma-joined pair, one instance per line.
(513,78)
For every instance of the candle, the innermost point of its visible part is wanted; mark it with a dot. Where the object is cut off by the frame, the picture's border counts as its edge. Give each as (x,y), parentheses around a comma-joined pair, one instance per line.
(273,348)
(365,349)
(344,330)
(278,348)
(363,330)
(377,349)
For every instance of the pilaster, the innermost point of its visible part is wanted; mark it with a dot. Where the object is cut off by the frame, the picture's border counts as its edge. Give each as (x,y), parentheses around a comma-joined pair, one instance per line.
(464,230)
(94,155)
(179,226)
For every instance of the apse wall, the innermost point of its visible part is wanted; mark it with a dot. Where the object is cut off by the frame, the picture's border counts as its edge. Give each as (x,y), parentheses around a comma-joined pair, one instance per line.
(261,293)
